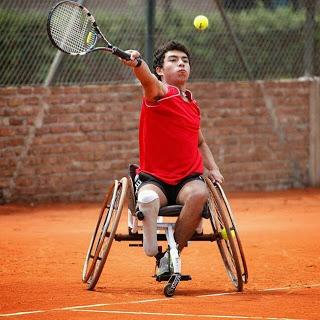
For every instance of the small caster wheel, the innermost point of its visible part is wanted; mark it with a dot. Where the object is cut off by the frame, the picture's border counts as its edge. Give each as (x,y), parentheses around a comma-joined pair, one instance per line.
(168,290)
(140,215)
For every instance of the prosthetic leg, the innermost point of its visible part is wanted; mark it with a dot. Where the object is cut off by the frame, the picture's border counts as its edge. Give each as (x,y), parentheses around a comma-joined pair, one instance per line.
(174,278)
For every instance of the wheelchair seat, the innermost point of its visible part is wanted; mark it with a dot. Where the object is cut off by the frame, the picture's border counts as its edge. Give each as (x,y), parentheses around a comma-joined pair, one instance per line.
(170,211)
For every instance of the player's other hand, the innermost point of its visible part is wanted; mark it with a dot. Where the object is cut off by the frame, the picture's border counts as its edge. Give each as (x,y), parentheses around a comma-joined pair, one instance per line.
(215,175)
(134,55)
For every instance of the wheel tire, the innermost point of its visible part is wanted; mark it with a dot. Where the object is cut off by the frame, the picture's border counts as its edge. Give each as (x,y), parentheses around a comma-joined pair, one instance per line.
(168,292)
(104,233)
(229,246)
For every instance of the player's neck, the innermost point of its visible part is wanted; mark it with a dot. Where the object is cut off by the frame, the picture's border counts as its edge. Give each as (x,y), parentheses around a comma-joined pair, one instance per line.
(182,87)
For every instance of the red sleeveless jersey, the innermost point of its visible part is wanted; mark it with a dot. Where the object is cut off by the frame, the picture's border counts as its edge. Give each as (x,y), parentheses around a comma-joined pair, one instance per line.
(169,137)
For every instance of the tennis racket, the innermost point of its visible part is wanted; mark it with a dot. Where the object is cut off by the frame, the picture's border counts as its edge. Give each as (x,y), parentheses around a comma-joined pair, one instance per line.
(73,30)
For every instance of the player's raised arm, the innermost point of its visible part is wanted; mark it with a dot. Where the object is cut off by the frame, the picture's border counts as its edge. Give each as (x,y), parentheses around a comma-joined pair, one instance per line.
(152,87)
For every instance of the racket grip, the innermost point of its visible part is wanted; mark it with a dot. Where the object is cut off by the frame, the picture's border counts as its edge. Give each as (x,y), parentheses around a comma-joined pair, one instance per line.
(120,53)
(124,55)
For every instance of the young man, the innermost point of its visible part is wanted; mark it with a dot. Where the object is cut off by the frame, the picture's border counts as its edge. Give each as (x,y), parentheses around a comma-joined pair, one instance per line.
(173,152)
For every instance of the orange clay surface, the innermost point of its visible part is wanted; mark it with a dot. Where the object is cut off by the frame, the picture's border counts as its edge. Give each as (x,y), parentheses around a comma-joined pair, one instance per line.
(43,249)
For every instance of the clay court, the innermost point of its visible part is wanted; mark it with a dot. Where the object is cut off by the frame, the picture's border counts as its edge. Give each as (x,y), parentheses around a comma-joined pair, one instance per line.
(43,249)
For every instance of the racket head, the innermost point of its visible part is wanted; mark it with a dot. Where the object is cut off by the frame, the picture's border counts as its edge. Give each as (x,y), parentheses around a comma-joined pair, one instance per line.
(72,28)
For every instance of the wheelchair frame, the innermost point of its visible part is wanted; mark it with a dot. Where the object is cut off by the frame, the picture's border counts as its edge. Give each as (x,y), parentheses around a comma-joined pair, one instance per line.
(224,232)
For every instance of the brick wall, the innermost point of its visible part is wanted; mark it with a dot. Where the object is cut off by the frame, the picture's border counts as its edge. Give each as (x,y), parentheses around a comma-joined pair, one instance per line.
(68,143)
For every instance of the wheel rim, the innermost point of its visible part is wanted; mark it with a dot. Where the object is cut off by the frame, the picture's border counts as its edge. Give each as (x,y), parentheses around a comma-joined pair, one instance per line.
(108,223)
(227,247)
(91,258)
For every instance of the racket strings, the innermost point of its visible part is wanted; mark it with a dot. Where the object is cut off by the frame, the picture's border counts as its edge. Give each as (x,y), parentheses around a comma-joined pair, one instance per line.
(72,29)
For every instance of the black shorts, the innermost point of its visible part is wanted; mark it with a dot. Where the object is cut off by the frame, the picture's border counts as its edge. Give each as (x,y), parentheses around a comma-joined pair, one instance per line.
(170,191)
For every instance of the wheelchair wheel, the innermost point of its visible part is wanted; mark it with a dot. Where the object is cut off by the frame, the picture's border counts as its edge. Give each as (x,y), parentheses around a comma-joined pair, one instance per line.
(228,240)
(104,233)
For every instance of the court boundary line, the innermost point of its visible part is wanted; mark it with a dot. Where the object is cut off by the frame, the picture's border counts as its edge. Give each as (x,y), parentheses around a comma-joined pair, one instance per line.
(184,315)
(305,286)
(78,308)
(21,313)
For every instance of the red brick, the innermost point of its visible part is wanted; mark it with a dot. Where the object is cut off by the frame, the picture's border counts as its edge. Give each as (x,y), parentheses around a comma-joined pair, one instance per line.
(15,102)
(24,90)
(57,90)
(62,128)
(32,100)
(27,110)
(38,90)
(91,89)
(16,121)
(8,91)
(71,89)
(6,131)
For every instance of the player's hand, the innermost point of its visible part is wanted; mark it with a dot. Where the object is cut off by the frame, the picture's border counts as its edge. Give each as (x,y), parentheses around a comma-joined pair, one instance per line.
(215,175)
(134,55)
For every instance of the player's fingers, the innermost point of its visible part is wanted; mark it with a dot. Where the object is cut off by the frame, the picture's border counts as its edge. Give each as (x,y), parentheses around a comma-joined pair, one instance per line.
(216,178)
(134,54)
(219,178)
(134,60)
(211,177)
(129,63)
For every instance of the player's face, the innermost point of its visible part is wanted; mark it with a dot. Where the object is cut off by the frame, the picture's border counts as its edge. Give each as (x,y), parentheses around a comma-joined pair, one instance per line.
(176,68)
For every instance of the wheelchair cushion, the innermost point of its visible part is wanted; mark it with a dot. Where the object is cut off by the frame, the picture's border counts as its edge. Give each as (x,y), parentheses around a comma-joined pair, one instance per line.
(170,211)
(174,211)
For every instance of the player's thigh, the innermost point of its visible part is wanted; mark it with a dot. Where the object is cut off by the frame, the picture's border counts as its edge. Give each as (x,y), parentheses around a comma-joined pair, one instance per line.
(193,190)
(160,193)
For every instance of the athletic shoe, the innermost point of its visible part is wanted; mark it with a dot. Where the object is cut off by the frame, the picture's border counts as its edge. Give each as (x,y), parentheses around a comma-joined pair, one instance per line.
(164,265)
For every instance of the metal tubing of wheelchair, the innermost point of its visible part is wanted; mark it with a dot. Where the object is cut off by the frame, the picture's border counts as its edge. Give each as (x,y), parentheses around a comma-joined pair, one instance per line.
(174,254)
(162,237)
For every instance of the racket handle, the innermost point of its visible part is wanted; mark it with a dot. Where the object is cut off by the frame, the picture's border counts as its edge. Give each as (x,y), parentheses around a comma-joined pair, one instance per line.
(120,53)
(124,55)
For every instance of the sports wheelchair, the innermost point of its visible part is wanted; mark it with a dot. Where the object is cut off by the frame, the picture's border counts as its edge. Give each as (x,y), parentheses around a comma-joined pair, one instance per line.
(217,211)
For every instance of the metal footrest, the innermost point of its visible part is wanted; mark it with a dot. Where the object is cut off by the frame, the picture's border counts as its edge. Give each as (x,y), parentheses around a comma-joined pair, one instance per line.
(167,276)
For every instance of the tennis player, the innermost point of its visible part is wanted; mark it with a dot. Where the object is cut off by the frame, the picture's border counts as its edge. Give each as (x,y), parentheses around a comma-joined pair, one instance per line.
(173,151)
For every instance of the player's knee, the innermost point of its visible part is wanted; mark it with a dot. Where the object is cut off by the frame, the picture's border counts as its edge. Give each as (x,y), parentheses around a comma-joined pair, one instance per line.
(151,251)
(199,196)
(148,200)
(147,196)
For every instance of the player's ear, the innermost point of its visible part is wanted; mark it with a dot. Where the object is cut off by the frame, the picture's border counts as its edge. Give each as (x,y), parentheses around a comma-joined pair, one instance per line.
(159,71)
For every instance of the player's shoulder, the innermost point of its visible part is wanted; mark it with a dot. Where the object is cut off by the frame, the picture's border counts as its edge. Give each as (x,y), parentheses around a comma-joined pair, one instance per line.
(167,92)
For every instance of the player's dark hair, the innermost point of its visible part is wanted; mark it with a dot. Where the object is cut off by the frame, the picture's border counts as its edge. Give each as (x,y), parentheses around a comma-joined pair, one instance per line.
(161,51)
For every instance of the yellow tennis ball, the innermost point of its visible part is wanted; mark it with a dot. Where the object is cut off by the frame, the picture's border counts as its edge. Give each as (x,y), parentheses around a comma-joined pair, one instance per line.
(201,22)
(224,235)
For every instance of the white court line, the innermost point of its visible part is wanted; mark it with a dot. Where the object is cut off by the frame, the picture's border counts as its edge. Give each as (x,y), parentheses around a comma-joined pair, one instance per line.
(149,300)
(74,308)
(260,290)
(189,315)
(218,294)
(20,313)
(111,304)
(291,287)
(85,306)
